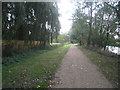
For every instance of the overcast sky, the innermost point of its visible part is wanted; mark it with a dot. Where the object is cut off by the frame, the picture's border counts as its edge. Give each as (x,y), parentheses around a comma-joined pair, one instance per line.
(66,8)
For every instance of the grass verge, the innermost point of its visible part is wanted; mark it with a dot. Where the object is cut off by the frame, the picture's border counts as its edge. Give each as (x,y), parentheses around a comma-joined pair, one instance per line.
(107,65)
(21,56)
(36,71)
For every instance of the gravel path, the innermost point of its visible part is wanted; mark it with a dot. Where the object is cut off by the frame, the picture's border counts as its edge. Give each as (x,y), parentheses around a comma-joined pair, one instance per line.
(77,71)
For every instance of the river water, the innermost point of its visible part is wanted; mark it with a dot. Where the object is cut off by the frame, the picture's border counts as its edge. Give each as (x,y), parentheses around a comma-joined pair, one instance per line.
(113,49)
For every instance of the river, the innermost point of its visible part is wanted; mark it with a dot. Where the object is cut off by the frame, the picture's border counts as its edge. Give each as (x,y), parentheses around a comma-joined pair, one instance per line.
(113,49)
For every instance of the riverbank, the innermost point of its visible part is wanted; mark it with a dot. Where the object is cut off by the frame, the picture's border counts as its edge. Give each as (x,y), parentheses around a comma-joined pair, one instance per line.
(108,65)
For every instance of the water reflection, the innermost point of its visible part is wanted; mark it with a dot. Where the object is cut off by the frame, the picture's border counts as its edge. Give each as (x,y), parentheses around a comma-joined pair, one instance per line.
(113,49)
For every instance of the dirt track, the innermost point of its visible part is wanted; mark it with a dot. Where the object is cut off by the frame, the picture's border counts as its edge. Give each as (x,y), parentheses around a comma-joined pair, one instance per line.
(77,71)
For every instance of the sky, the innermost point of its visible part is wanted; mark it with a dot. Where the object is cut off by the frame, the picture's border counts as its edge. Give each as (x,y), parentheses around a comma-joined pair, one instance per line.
(66,9)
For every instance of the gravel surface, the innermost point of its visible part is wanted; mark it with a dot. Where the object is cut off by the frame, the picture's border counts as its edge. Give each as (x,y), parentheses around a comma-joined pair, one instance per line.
(77,71)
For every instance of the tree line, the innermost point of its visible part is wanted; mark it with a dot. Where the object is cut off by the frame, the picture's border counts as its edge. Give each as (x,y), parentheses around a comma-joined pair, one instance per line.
(35,24)
(96,24)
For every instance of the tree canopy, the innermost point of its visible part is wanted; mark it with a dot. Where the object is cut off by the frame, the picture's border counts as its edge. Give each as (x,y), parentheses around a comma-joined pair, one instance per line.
(30,22)
(96,24)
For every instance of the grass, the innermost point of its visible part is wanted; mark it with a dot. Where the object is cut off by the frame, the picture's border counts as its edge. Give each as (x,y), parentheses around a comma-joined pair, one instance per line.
(21,56)
(107,65)
(36,71)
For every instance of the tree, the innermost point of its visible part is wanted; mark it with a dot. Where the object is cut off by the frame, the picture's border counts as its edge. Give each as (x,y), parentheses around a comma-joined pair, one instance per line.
(63,38)
(29,21)
(98,28)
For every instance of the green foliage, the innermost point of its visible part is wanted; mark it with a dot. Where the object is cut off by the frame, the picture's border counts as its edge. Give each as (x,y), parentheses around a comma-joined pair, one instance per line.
(62,38)
(36,70)
(19,57)
(98,28)
(79,30)
(30,21)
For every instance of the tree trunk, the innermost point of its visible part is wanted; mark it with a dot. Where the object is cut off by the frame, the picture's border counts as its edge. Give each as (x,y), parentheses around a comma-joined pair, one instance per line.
(56,39)
(90,24)
(101,27)
(51,37)
(107,37)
